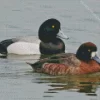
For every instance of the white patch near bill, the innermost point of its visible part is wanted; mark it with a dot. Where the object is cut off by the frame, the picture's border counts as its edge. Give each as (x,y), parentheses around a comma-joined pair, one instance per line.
(23,48)
(93,54)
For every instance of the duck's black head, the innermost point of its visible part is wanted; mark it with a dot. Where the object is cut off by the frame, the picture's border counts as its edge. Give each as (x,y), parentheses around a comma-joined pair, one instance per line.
(49,30)
(86,51)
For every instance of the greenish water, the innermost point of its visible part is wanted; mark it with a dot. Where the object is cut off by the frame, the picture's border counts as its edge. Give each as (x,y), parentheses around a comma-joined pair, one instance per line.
(22,18)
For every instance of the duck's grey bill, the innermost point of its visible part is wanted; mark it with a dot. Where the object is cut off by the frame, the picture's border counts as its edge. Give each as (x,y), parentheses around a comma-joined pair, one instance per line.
(97,59)
(62,35)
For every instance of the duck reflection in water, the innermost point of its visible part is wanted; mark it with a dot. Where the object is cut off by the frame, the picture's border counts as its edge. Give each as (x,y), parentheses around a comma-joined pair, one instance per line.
(83,84)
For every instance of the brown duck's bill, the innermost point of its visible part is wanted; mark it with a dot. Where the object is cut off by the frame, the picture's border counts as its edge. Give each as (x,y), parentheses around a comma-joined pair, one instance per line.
(97,59)
(62,35)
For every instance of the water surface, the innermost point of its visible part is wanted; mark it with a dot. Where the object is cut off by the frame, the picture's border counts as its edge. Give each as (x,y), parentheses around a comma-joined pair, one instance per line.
(22,18)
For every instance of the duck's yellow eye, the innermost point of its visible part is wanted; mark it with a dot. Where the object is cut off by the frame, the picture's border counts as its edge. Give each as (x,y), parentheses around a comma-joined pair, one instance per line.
(53,26)
(89,50)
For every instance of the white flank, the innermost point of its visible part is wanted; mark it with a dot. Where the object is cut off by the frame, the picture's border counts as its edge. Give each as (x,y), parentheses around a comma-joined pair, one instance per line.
(23,48)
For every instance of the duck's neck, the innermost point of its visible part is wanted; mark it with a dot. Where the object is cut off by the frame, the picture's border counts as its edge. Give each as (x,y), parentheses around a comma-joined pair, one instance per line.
(83,58)
(54,47)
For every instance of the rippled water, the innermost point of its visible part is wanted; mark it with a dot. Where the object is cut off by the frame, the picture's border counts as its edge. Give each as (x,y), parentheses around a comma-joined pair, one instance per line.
(80,21)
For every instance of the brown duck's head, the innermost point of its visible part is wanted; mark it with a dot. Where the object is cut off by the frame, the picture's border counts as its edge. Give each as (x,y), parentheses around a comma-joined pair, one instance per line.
(86,51)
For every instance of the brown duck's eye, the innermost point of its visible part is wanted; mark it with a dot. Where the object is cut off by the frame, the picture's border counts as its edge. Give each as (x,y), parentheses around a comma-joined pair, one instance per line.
(53,26)
(89,50)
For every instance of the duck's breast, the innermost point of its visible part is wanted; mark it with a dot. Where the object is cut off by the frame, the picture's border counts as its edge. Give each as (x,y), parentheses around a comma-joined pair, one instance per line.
(89,67)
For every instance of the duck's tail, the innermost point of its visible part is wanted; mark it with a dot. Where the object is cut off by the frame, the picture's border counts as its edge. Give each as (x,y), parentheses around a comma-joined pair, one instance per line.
(37,67)
(3,50)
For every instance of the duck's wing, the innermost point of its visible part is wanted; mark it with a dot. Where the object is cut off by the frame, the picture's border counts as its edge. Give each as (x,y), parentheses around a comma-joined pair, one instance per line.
(51,59)
(68,59)
(31,39)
